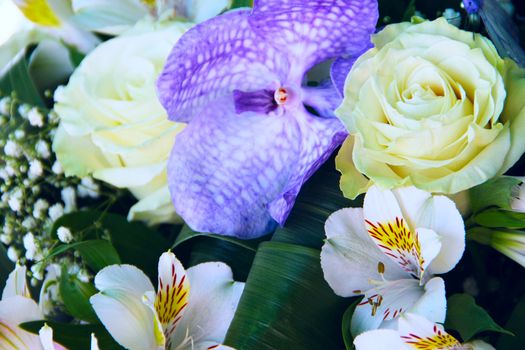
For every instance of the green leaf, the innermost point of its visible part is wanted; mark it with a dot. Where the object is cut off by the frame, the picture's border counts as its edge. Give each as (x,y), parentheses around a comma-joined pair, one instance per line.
(17,79)
(242,3)
(76,337)
(493,193)
(345,327)
(96,253)
(6,266)
(498,218)
(410,11)
(469,319)
(135,243)
(75,295)
(187,234)
(286,303)
(516,325)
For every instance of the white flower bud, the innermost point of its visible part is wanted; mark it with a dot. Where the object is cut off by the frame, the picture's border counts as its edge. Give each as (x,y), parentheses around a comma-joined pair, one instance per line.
(42,149)
(23,110)
(41,205)
(35,169)
(15,200)
(56,211)
(20,134)
(88,188)
(69,197)
(30,246)
(29,223)
(5,105)
(6,238)
(12,149)
(35,117)
(83,276)
(64,234)
(37,271)
(57,168)
(13,254)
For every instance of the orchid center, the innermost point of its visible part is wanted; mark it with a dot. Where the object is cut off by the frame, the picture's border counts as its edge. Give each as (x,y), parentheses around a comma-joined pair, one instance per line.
(281,96)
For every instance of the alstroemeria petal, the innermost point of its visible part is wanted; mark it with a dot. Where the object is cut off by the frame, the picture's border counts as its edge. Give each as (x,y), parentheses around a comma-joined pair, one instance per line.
(479,345)
(420,333)
(124,277)
(313,31)
(173,291)
(13,337)
(18,309)
(213,59)
(213,300)
(45,335)
(201,10)
(16,283)
(389,300)
(129,321)
(94,342)
(349,258)
(231,174)
(390,231)
(380,339)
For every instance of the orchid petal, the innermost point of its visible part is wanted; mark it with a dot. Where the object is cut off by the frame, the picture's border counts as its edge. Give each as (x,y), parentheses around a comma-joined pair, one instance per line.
(313,31)
(172,292)
(213,59)
(247,177)
(420,333)
(380,339)
(349,258)
(16,283)
(390,231)
(341,67)
(213,300)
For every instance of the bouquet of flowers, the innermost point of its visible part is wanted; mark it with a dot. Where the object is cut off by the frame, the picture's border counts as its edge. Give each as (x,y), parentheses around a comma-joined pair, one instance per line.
(235,174)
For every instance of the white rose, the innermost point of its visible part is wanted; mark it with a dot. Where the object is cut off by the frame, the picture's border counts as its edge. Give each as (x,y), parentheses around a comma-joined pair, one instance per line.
(112,125)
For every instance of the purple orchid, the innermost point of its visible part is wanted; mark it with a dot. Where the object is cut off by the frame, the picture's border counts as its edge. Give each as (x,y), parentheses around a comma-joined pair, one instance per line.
(255,134)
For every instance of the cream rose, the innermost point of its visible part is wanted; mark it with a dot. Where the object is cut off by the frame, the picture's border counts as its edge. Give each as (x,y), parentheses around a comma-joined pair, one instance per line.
(432,106)
(112,125)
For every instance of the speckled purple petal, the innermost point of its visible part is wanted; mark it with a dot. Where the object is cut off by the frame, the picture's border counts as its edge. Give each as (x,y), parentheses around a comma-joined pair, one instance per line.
(471,6)
(312,31)
(341,67)
(238,174)
(214,58)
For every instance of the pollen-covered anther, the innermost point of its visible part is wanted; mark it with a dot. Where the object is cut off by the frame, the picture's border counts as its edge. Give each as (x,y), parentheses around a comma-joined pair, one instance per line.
(281,96)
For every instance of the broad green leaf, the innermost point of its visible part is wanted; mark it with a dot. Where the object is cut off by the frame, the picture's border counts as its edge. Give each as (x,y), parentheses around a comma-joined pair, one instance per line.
(242,3)
(493,193)
(6,266)
(16,78)
(345,327)
(187,234)
(96,253)
(500,218)
(286,303)
(75,295)
(469,319)
(77,337)
(515,324)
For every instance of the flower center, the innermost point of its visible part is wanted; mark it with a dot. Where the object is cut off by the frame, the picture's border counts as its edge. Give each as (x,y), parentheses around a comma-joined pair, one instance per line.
(261,101)
(281,96)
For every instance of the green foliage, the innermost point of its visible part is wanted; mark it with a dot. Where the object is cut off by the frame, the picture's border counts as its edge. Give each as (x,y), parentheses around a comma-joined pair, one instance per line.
(75,295)
(6,266)
(469,319)
(348,338)
(516,325)
(18,80)
(76,337)
(242,3)
(97,254)
(495,218)
(493,193)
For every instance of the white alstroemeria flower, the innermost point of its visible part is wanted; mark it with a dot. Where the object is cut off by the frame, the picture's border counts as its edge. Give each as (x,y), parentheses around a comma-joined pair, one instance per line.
(17,307)
(191,309)
(389,250)
(97,16)
(56,17)
(414,332)
(518,201)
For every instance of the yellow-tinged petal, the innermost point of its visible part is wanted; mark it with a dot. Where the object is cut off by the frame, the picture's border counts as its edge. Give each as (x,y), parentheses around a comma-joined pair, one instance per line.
(352,183)
(38,11)
(172,293)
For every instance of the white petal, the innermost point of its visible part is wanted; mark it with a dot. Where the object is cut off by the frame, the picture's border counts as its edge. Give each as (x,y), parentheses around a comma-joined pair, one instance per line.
(130,176)
(18,309)
(213,300)
(394,298)
(127,319)
(16,283)
(202,10)
(411,201)
(46,338)
(349,257)
(433,303)
(173,292)
(380,339)
(156,208)
(13,338)
(94,342)
(123,277)
(441,215)
(480,345)
(421,333)
(430,245)
(390,232)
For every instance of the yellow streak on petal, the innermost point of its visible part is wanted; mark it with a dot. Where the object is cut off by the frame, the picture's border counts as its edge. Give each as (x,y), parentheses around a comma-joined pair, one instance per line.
(150,3)
(439,341)
(39,12)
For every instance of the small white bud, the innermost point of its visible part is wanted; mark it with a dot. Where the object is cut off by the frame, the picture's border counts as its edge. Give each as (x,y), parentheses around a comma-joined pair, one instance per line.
(5,105)
(35,117)
(12,149)
(56,211)
(29,223)
(6,238)
(13,254)
(64,234)
(20,134)
(69,197)
(29,245)
(88,188)
(15,200)
(83,276)
(23,110)
(41,205)
(42,149)
(35,169)
(57,168)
